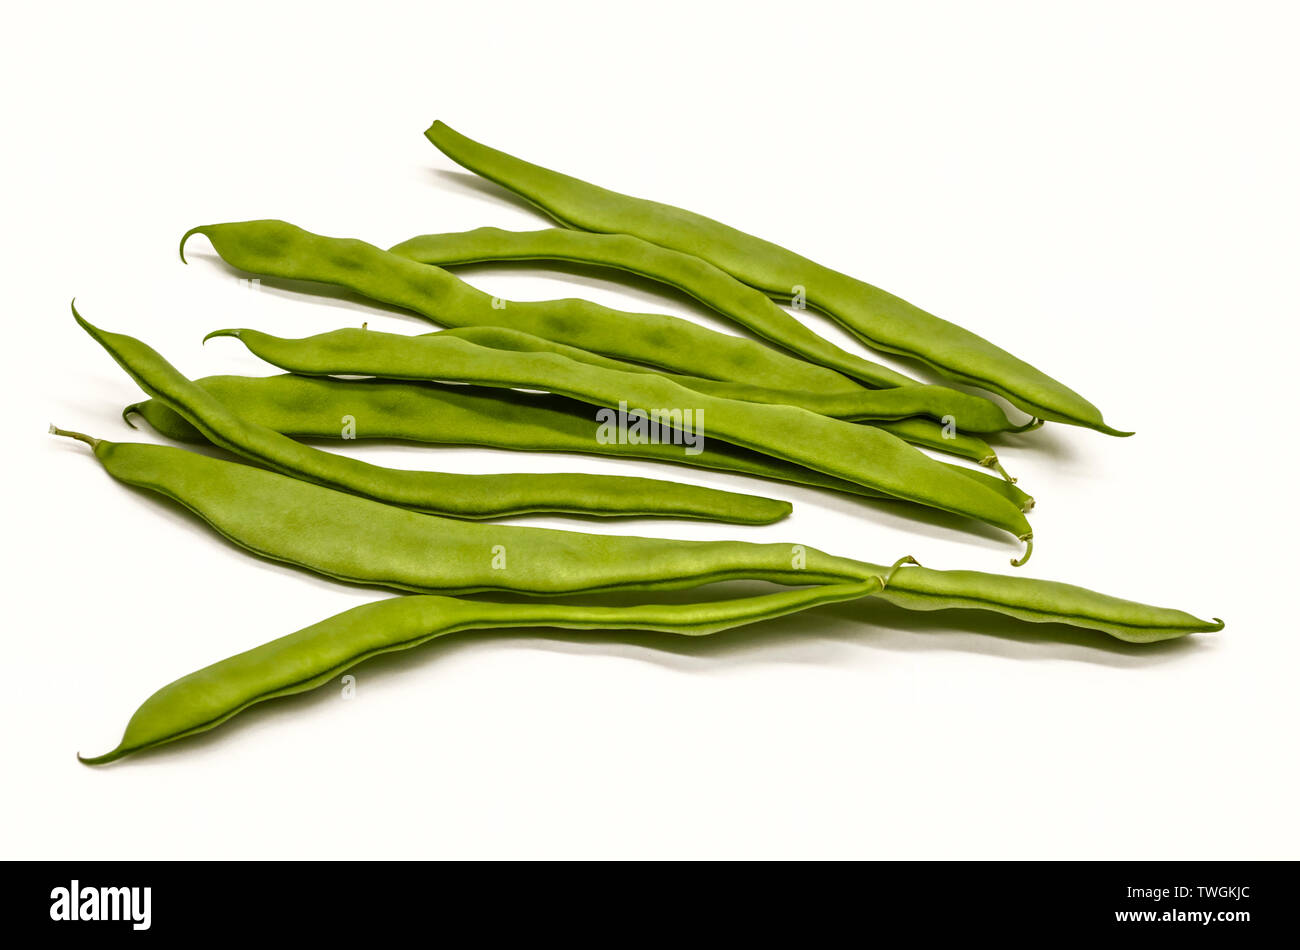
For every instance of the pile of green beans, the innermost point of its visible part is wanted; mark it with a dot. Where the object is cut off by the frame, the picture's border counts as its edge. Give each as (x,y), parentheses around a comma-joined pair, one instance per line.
(862,454)
(779,403)
(437,414)
(278,249)
(465,496)
(694,276)
(879,319)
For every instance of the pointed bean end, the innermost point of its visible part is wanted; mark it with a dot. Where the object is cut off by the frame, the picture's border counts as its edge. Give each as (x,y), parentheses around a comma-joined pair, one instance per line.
(100,759)
(1118,433)
(186,236)
(1029,550)
(228,332)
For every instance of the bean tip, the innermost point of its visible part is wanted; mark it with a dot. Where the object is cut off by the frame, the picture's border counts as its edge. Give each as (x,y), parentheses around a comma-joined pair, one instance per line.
(1108,430)
(98,759)
(1029,550)
(228,332)
(185,237)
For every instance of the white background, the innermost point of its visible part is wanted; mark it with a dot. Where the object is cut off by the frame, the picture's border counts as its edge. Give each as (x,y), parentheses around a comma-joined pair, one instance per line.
(1109,190)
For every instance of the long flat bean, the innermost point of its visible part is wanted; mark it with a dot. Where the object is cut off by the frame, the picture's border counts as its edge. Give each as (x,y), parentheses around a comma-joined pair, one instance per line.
(354,539)
(877,318)
(863,454)
(313,656)
(278,249)
(465,496)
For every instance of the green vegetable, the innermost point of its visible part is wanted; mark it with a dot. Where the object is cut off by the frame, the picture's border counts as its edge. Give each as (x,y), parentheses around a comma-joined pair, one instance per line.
(326,408)
(464,496)
(362,541)
(314,655)
(862,454)
(879,319)
(277,249)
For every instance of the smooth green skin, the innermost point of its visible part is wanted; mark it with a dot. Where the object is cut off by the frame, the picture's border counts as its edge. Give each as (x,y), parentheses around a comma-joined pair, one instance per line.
(697,278)
(463,496)
(879,319)
(313,656)
(278,249)
(861,454)
(354,539)
(315,406)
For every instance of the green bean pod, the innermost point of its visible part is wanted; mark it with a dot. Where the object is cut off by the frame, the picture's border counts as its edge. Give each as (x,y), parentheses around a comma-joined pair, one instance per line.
(877,318)
(354,539)
(359,540)
(321,407)
(464,496)
(277,249)
(863,454)
(697,278)
(313,656)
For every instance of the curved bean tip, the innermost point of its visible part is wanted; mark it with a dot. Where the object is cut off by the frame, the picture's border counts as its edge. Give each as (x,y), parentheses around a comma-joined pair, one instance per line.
(99,759)
(1220,625)
(186,236)
(228,332)
(1029,550)
(85,324)
(126,414)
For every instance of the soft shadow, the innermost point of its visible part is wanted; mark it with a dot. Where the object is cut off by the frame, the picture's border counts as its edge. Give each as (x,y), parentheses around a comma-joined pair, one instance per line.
(331,295)
(468,182)
(1049,441)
